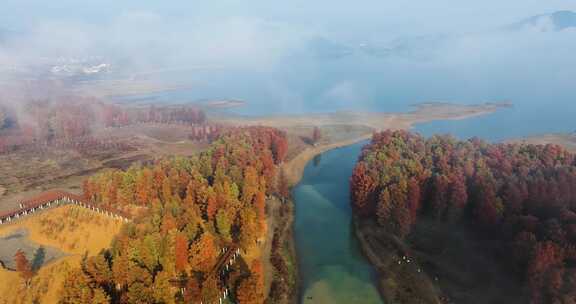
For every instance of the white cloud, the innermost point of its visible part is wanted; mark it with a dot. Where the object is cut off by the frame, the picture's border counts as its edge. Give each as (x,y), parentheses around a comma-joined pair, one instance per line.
(148,40)
(345,92)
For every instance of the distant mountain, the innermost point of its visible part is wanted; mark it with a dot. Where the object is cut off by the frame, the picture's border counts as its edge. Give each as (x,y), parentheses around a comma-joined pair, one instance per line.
(555,22)
(416,47)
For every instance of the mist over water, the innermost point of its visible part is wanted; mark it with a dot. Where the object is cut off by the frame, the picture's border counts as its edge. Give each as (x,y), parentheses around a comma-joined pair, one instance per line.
(319,57)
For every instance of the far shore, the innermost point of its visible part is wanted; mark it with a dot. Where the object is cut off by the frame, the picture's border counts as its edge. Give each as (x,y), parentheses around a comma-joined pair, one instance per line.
(294,168)
(374,122)
(568,141)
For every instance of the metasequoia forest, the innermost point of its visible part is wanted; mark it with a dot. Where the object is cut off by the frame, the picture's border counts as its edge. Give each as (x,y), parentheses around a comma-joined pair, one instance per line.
(520,194)
(185,210)
(71,121)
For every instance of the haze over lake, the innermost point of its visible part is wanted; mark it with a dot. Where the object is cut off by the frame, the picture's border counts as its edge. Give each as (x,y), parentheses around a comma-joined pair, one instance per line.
(533,74)
(325,57)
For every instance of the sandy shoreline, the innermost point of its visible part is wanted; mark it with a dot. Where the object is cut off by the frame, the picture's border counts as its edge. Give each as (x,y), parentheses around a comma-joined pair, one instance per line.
(568,141)
(294,168)
(375,120)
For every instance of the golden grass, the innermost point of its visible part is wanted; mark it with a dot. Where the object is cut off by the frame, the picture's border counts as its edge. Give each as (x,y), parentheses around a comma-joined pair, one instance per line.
(8,281)
(45,286)
(71,229)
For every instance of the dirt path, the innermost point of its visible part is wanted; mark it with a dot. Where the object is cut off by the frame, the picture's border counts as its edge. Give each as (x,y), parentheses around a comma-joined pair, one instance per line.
(273,213)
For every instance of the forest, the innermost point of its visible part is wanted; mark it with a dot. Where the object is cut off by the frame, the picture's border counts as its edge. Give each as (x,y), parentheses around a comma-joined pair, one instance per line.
(71,121)
(186,210)
(521,194)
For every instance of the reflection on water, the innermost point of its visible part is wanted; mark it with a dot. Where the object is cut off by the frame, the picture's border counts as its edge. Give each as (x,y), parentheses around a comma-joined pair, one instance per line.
(332,267)
(317,159)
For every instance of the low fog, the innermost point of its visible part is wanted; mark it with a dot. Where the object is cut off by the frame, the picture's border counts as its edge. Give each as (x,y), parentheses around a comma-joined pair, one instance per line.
(255,34)
(356,54)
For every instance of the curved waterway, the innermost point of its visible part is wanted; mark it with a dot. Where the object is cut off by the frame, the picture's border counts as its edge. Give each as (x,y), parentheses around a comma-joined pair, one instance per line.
(332,268)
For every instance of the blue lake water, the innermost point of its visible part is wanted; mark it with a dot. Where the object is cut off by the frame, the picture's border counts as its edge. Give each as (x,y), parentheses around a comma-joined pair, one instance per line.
(332,268)
(524,119)
(542,102)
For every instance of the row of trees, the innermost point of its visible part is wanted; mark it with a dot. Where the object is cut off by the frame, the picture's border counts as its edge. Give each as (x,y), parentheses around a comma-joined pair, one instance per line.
(522,194)
(41,122)
(206,132)
(190,208)
(3,117)
(116,116)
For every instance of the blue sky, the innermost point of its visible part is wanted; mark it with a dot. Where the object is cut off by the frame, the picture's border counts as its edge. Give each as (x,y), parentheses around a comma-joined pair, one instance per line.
(405,15)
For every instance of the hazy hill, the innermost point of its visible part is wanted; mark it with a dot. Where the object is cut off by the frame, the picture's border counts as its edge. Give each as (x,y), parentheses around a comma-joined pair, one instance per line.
(554,22)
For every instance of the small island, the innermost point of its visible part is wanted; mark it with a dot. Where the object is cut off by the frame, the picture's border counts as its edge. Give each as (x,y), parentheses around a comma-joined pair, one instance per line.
(223,103)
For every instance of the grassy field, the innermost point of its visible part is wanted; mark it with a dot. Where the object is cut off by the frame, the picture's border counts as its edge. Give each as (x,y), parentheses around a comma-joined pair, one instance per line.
(27,173)
(72,230)
(45,286)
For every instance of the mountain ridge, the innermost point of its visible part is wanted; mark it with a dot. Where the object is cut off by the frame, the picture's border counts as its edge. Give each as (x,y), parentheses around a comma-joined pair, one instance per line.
(552,22)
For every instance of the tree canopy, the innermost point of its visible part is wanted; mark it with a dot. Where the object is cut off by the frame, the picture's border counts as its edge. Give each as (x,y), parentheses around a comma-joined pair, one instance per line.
(186,210)
(522,194)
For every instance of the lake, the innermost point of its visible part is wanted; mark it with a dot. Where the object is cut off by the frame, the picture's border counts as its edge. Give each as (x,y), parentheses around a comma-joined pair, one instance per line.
(544,99)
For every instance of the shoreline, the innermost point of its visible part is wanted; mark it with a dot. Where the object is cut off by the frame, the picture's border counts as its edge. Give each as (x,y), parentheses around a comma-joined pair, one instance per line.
(294,168)
(566,140)
(374,120)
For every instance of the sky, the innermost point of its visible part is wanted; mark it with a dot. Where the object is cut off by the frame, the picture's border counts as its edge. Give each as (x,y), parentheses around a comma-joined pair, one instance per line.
(330,15)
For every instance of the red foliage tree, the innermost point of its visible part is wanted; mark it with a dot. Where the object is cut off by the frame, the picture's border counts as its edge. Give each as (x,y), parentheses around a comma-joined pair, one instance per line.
(23,266)
(363,186)
(316,135)
(519,194)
